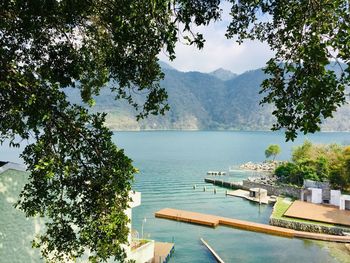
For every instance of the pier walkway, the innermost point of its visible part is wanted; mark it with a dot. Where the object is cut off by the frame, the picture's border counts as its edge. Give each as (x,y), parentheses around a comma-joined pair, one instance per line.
(162,252)
(231,185)
(213,221)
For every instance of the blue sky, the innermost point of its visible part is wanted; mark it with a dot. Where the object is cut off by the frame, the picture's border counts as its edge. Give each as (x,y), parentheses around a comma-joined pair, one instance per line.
(220,52)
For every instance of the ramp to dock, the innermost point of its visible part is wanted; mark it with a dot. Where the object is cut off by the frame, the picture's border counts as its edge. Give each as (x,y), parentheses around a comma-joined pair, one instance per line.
(213,221)
(212,251)
(162,252)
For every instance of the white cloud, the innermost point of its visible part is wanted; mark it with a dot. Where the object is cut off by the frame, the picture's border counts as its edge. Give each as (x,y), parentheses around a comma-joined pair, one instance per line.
(220,52)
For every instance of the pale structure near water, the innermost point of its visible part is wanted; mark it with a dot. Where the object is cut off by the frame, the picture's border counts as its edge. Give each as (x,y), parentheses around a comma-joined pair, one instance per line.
(141,254)
(145,252)
(320,193)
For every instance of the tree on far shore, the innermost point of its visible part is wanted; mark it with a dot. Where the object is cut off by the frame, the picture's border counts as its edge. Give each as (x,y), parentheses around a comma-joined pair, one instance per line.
(272,150)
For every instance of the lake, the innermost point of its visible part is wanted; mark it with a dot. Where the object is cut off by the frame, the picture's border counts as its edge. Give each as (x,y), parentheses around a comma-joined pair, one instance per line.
(171,162)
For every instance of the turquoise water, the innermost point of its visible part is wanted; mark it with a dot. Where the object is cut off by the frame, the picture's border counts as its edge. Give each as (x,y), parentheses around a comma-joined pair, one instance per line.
(170,163)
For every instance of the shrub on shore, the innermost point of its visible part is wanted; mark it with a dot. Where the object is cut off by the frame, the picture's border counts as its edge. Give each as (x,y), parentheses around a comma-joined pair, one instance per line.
(319,163)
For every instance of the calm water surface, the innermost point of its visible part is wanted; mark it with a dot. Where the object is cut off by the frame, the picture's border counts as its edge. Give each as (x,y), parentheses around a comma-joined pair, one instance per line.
(170,163)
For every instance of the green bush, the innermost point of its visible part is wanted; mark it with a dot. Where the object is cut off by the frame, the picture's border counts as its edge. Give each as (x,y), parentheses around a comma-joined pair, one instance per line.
(289,173)
(318,163)
(337,179)
(285,170)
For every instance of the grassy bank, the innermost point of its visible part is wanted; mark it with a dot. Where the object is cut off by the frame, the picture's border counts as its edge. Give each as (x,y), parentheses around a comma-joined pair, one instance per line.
(282,205)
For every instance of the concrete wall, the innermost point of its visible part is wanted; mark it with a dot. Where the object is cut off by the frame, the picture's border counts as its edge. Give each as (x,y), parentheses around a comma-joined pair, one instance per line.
(315,184)
(143,254)
(230,185)
(316,196)
(271,189)
(344,203)
(335,197)
(347,205)
(13,166)
(308,227)
(275,190)
(136,199)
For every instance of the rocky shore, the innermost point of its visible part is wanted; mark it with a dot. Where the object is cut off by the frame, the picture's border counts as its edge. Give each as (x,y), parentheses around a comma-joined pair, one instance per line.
(264,166)
(268,179)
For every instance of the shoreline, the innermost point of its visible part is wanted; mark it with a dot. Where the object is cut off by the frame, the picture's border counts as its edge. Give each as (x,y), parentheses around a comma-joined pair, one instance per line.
(265,166)
(219,130)
(338,251)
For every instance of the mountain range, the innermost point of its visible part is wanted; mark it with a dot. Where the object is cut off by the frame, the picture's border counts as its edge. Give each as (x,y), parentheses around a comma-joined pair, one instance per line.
(220,100)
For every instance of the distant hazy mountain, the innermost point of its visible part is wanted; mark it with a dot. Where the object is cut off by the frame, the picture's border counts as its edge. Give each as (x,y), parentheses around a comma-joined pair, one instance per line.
(223,74)
(204,101)
(165,65)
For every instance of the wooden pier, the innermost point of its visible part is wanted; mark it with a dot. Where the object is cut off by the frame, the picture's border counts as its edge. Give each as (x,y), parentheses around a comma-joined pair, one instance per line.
(163,252)
(213,221)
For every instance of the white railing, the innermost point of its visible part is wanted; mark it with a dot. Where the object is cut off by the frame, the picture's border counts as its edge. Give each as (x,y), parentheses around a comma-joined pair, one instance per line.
(14,166)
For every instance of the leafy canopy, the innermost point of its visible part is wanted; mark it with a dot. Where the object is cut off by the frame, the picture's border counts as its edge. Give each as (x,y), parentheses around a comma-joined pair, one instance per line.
(79,179)
(319,163)
(306,36)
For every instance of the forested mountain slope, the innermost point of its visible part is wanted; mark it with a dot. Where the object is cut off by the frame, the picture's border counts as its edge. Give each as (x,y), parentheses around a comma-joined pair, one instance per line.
(220,100)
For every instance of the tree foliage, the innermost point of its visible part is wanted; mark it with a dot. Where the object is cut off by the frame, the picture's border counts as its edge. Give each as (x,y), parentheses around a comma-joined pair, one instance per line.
(306,36)
(272,150)
(79,179)
(289,173)
(319,163)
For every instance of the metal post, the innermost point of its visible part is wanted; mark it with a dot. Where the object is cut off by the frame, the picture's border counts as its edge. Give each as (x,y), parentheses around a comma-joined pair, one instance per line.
(143,221)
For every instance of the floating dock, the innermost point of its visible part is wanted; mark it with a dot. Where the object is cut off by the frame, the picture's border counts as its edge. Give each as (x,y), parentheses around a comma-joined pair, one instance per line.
(213,221)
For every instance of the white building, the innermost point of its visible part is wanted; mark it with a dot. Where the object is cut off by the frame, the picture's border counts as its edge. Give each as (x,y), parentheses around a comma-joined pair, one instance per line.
(320,193)
(139,250)
(258,193)
(312,195)
(335,197)
(344,202)
(19,230)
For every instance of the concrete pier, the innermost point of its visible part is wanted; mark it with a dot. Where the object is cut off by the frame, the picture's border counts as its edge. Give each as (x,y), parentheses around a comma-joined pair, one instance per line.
(222,183)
